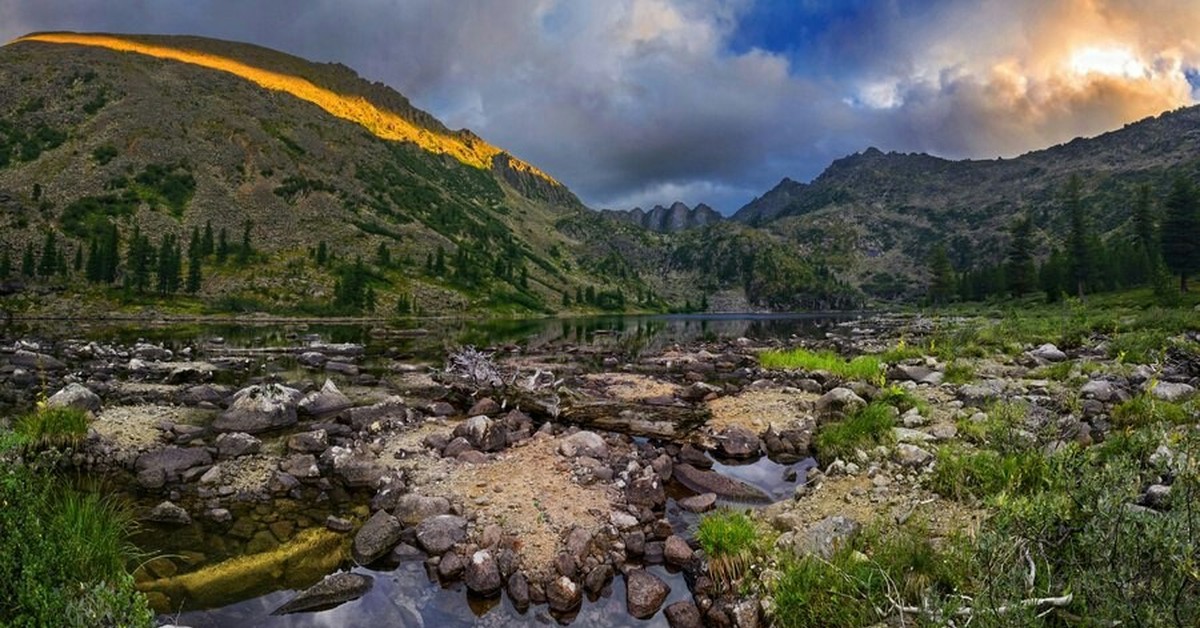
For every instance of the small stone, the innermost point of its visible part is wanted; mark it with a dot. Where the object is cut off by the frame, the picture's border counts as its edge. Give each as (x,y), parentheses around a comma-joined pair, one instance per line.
(676,551)
(644,593)
(563,595)
(168,512)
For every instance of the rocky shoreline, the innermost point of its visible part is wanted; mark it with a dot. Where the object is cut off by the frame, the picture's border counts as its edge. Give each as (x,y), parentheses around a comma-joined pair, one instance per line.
(541,476)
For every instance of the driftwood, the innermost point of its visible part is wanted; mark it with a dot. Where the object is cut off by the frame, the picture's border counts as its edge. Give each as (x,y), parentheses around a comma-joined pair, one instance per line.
(627,417)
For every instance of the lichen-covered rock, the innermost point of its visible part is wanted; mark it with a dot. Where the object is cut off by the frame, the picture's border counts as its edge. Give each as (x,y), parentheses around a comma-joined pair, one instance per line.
(259,408)
(376,537)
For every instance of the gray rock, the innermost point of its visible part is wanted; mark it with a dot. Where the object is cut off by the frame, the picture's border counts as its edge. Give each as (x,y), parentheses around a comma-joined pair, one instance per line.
(646,490)
(584,443)
(438,534)
(676,551)
(168,512)
(259,408)
(698,503)
(1049,353)
(333,591)
(157,468)
(1172,391)
(906,435)
(841,400)
(376,537)
(703,481)
(518,590)
(1158,497)
(979,395)
(482,573)
(312,359)
(390,409)
(75,396)
(312,442)
(823,538)
(235,444)
(341,368)
(483,433)
(485,406)
(598,578)
(1099,389)
(412,509)
(338,524)
(300,466)
(450,566)
(329,400)
(738,442)
(35,361)
(563,595)
(644,593)
(912,456)
(683,614)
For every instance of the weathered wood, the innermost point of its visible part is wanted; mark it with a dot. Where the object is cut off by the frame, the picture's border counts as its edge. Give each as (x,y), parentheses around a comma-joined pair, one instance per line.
(601,413)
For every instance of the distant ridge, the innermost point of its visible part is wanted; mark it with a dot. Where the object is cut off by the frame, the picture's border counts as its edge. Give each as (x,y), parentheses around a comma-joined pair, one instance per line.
(678,217)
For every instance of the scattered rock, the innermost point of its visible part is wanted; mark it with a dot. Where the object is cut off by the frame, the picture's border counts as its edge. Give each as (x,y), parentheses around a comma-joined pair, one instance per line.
(1049,353)
(329,400)
(412,509)
(75,396)
(1172,391)
(518,590)
(841,400)
(912,456)
(258,409)
(738,442)
(644,593)
(703,481)
(1158,497)
(563,595)
(168,512)
(308,442)
(235,444)
(376,537)
(823,538)
(157,468)
(482,574)
(334,590)
(483,433)
(584,443)
(485,406)
(698,503)
(300,466)
(683,614)
(438,534)
(676,551)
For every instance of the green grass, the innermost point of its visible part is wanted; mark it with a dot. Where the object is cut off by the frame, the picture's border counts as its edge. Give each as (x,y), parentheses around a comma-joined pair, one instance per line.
(863,367)
(865,429)
(64,555)
(959,372)
(902,399)
(984,473)
(52,427)
(1143,409)
(727,533)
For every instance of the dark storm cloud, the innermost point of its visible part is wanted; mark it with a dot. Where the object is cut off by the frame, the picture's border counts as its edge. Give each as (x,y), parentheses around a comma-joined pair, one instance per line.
(650,101)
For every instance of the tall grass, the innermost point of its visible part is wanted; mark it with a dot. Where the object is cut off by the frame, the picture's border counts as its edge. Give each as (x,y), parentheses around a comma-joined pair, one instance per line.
(865,429)
(731,542)
(863,367)
(52,426)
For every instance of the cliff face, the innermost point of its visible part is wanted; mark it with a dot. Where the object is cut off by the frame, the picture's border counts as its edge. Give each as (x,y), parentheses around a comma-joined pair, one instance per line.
(678,217)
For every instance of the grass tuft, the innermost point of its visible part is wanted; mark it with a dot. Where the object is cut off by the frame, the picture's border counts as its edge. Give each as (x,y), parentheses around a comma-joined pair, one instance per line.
(1144,409)
(865,429)
(863,367)
(52,427)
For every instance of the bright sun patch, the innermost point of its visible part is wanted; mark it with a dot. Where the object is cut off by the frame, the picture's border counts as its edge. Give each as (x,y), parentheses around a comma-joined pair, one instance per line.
(380,122)
(1109,61)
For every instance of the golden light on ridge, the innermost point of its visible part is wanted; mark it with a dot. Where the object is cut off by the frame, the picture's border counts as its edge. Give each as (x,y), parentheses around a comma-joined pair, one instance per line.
(380,122)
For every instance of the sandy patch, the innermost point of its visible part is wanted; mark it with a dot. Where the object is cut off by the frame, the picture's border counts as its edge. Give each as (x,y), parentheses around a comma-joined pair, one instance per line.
(757,410)
(136,427)
(631,387)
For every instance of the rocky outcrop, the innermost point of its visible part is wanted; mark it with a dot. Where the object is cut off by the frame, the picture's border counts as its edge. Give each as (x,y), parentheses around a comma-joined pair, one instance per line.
(259,408)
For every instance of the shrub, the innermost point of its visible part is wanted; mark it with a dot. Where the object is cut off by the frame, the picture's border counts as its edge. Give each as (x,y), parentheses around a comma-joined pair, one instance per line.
(985,473)
(52,427)
(1144,409)
(865,429)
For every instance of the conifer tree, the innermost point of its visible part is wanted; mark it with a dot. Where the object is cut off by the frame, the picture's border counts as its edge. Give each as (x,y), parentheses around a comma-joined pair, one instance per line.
(245,251)
(1052,276)
(27,261)
(322,253)
(78,264)
(5,264)
(1079,257)
(439,262)
(1180,237)
(1144,233)
(383,257)
(195,262)
(206,241)
(49,263)
(1021,273)
(941,288)
(222,246)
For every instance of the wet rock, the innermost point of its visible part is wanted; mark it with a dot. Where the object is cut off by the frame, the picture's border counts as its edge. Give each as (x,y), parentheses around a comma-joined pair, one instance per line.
(219,515)
(338,524)
(597,578)
(376,537)
(482,573)
(404,553)
(676,551)
(157,468)
(841,400)
(168,512)
(563,595)
(341,368)
(203,394)
(518,590)
(1049,353)
(683,614)
(282,483)
(334,590)
(303,466)
(483,433)
(822,539)
(236,444)
(450,566)
(1172,391)
(646,490)
(691,455)
(635,542)
(329,400)
(745,614)
(438,534)
(584,443)
(703,481)
(258,409)
(75,396)
(312,359)
(412,509)
(738,442)
(644,593)
(308,442)
(355,468)
(485,406)
(698,503)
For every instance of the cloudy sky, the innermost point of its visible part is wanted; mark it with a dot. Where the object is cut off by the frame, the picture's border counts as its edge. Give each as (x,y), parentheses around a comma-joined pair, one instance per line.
(637,102)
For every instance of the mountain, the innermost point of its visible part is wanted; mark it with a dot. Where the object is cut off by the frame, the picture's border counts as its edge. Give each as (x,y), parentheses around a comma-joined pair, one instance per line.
(874,217)
(677,217)
(121,147)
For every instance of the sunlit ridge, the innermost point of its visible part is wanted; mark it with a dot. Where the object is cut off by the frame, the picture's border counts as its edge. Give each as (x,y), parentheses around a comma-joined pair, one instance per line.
(380,122)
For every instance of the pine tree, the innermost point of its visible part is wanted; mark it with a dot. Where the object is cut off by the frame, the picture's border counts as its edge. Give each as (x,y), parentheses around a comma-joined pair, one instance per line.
(1180,237)
(78,264)
(27,261)
(1052,276)
(1143,228)
(110,259)
(141,260)
(322,253)
(245,251)
(5,265)
(49,263)
(383,257)
(195,263)
(566,297)
(439,262)
(206,241)
(1078,254)
(222,246)
(1021,273)
(941,288)
(524,278)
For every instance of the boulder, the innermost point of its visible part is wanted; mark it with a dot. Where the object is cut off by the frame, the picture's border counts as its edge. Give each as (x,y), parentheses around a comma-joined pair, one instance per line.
(646,490)
(912,456)
(703,481)
(1172,391)
(823,538)
(483,433)
(259,408)
(35,361)
(393,409)
(438,534)
(1049,353)
(450,566)
(75,396)
(738,442)
(482,573)
(698,503)
(563,595)
(676,551)
(168,512)
(412,509)
(485,406)
(312,442)
(312,359)
(376,537)
(334,590)
(329,400)
(518,590)
(1099,389)
(584,443)
(841,400)
(235,444)
(156,468)
(683,614)
(644,593)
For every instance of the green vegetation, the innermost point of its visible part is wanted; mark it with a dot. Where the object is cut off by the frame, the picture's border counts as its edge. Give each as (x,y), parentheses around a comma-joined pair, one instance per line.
(865,429)
(1143,409)
(959,372)
(52,427)
(865,367)
(985,473)
(731,541)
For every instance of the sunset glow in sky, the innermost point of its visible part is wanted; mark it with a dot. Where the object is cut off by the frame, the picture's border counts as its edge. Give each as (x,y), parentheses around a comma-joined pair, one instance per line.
(637,102)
